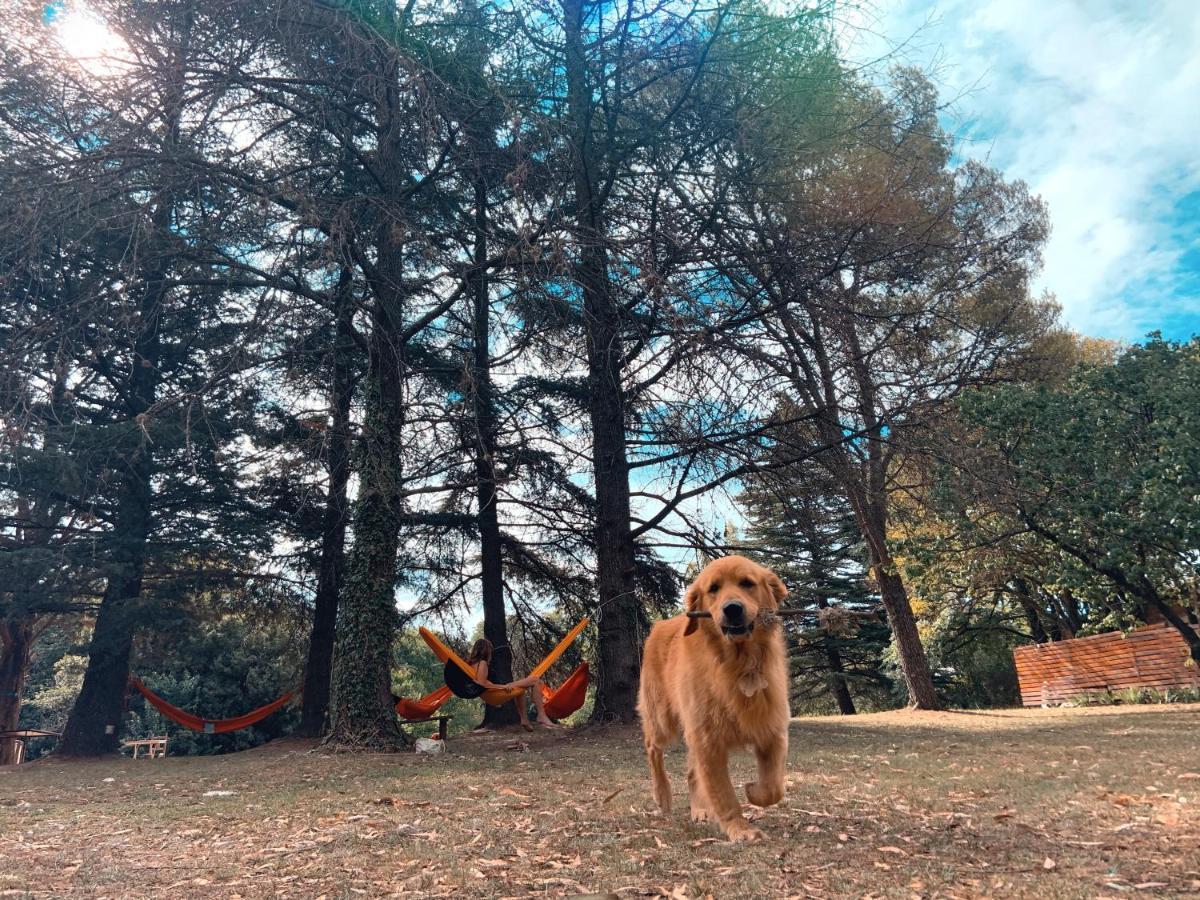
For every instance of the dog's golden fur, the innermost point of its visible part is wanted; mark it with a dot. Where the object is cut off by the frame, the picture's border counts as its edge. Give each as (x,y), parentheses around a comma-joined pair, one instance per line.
(720,692)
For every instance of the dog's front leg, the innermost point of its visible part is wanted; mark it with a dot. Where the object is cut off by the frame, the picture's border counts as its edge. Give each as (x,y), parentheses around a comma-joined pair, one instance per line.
(772,757)
(700,810)
(711,765)
(658,777)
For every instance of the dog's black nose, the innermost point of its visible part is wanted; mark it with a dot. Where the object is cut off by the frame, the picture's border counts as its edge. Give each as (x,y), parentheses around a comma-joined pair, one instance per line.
(734,613)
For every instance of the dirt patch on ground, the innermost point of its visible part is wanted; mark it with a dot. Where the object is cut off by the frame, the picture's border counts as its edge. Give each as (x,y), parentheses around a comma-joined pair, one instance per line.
(1037,803)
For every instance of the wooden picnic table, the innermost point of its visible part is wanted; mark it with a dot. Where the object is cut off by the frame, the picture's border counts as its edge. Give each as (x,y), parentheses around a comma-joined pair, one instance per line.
(154,747)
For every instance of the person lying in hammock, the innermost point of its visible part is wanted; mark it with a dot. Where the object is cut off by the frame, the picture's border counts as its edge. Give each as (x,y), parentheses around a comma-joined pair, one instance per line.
(481,658)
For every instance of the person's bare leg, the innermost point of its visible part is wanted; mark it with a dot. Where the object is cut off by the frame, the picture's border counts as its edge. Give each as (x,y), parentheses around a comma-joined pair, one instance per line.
(523,712)
(534,686)
(539,701)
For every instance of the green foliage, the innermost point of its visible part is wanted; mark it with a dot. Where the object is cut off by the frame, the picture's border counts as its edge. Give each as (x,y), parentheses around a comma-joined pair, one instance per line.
(50,699)
(973,664)
(1103,471)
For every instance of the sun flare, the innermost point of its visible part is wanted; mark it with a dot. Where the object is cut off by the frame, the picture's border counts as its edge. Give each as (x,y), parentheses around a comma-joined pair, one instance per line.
(87,38)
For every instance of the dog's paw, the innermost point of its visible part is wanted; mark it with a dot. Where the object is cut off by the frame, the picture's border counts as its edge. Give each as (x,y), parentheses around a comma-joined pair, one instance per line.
(744,834)
(701,814)
(760,795)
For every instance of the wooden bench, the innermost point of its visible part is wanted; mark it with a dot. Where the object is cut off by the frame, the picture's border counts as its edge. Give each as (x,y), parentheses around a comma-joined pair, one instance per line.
(154,747)
(441,720)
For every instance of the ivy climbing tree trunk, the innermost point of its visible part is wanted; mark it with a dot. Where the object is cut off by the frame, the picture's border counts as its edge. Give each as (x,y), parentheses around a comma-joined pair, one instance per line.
(619,615)
(362,713)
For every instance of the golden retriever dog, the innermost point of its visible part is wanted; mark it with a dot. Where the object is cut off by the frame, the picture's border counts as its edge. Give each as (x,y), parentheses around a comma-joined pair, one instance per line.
(721,682)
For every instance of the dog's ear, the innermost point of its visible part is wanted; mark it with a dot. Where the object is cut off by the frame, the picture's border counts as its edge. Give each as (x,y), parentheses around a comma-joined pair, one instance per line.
(776,586)
(691,603)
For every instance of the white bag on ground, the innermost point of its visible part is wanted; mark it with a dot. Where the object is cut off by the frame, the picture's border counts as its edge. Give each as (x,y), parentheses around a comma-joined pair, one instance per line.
(429,745)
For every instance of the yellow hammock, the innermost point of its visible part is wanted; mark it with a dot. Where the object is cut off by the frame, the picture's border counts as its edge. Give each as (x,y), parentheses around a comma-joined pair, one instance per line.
(500,696)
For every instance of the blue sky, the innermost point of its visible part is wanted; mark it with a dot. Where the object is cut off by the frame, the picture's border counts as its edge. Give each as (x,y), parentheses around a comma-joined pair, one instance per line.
(1096,105)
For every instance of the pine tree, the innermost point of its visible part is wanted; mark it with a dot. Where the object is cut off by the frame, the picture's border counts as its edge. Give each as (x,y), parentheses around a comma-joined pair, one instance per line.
(801,527)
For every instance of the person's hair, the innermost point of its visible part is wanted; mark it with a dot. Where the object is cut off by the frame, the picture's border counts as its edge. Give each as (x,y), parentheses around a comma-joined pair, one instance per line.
(481,650)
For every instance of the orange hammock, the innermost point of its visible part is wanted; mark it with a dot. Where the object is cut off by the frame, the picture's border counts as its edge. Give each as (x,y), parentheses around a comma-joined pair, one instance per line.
(500,696)
(208,726)
(419,710)
(569,695)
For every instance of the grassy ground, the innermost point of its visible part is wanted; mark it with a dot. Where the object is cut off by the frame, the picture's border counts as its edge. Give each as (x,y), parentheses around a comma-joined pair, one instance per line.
(1045,803)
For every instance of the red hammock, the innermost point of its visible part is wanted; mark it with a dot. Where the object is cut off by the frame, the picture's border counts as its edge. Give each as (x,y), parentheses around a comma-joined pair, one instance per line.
(208,726)
(419,710)
(560,701)
(568,696)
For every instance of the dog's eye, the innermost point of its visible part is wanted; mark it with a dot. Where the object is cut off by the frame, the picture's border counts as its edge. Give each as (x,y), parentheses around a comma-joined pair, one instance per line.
(712,588)
(746,583)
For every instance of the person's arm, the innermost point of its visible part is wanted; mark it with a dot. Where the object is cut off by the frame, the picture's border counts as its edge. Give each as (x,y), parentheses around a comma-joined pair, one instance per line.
(481,675)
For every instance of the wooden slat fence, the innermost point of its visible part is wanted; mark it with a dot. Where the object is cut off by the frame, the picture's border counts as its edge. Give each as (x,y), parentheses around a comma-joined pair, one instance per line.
(1151,657)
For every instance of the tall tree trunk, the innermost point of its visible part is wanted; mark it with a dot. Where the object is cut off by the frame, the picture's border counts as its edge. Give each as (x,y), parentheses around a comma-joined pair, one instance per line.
(16,641)
(870,514)
(362,711)
(914,664)
(1033,614)
(362,714)
(818,575)
(318,669)
(619,617)
(94,724)
(495,624)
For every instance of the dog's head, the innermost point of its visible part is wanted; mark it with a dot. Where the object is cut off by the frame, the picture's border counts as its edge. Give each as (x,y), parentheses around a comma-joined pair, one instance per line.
(733,590)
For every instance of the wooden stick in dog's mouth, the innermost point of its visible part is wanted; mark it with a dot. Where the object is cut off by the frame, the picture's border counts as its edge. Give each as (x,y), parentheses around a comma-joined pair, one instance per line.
(769,616)
(764,617)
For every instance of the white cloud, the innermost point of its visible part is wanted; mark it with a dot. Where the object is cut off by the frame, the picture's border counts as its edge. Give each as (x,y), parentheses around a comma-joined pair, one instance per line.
(1097,107)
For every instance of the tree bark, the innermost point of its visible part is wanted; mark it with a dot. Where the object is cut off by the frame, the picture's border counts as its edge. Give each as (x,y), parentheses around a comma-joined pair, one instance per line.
(868,498)
(619,618)
(318,669)
(913,662)
(491,554)
(841,692)
(16,641)
(94,724)
(363,713)
(1033,614)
